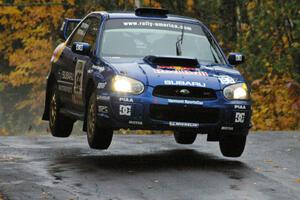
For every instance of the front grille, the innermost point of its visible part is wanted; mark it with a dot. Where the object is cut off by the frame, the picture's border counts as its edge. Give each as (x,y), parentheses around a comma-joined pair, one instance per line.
(183,113)
(177,92)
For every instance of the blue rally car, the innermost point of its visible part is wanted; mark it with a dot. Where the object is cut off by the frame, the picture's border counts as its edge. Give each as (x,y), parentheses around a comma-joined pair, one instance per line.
(146,70)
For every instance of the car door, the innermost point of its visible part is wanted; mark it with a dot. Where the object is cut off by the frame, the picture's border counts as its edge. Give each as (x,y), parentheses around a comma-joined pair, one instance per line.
(68,62)
(87,32)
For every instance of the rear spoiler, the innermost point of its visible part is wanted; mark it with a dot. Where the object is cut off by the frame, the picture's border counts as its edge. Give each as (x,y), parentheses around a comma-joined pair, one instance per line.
(172,61)
(67,27)
(151,12)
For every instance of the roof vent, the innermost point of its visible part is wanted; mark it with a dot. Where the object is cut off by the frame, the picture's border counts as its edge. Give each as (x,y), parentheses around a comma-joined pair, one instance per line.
(151,12)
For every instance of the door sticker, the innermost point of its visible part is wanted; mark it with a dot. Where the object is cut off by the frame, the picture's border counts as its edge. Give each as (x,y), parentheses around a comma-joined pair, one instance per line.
(239,117)
(78,81)
(125,110)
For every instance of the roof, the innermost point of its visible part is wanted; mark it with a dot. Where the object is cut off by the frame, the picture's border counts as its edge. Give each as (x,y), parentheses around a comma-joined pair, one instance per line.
(132,15)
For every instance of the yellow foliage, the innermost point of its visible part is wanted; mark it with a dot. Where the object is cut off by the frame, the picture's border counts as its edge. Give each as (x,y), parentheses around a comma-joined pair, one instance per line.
(251,5)
(27,42)
(214,27)
(152,3)
(276,103)
(3,132)
(285,41)
(190,4)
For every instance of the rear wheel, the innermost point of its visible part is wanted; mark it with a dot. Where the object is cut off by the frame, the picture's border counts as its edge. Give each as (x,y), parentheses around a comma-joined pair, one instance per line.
(185,137)
(98,138)
(60,126)
(232,145)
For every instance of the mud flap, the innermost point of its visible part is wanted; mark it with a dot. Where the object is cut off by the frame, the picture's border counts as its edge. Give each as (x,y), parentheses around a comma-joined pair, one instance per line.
(47,98)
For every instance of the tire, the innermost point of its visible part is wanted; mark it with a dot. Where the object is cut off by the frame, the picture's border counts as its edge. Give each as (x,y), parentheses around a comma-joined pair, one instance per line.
(60,126)
(184,137)
(232,145)
(98,138)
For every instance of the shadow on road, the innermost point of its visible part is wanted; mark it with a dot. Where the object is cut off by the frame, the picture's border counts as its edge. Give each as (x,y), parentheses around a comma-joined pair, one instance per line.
(159,160)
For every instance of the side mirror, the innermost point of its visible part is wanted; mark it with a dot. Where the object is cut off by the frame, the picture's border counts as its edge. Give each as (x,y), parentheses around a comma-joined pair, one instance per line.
(67,27)
(81,48)
(236,58)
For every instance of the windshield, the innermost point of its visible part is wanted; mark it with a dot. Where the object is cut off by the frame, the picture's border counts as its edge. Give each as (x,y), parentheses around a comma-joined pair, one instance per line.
(140,38)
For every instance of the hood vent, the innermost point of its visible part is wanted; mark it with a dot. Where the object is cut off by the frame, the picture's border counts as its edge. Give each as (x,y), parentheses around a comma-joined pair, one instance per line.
(172,61)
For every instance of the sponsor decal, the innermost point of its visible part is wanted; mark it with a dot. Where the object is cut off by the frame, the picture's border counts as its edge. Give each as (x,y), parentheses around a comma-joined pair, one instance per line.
(125,110)
(66,89)
(102,109)
(68,76)
(184,124)
(101,85)
(99,68)
(135,122)
(126,99)
(157,25)
(241,107)
(225,79)
(79,47)
(239,117)
(193,102)
(179,70)
(226,128)
(103,98)
(78,80)
(79,77)
(238,57)
(185,83)
(179,101)
(160,71)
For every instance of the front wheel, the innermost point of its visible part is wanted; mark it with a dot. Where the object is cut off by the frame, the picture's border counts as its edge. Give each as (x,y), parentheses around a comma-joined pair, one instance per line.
(184,137)
(98,138)
(60,125)
(232,145)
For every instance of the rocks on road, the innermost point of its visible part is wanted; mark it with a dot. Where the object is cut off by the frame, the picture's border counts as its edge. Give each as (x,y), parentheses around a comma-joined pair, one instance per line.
(149,167)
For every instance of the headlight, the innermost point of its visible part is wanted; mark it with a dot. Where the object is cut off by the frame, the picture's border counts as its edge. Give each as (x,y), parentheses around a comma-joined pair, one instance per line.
(127,85)
(236,92)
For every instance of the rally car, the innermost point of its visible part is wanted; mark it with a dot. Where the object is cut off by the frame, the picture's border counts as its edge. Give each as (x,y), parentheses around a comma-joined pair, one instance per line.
(146,70)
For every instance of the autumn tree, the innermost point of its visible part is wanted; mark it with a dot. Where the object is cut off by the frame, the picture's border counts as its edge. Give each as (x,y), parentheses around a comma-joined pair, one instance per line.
(26,43)
(266,32)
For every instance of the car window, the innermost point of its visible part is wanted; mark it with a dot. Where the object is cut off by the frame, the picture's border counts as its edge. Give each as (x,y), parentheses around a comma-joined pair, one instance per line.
(91,34)
(140,38)
(80,32)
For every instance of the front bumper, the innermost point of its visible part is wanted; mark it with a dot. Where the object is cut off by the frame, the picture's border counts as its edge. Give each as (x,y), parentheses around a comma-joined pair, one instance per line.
(146,112)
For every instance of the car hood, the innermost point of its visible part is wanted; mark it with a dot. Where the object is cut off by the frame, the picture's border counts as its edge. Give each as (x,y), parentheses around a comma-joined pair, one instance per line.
(153,74)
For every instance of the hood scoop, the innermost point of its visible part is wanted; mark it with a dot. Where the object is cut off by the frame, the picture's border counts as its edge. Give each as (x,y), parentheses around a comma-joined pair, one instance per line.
(172,61)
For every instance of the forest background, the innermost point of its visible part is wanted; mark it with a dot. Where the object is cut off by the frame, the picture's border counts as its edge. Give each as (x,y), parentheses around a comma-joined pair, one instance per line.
(267,32)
